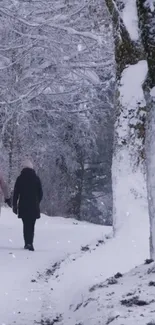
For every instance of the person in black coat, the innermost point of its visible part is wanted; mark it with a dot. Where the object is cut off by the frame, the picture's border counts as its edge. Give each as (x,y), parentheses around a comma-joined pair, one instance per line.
(26,201)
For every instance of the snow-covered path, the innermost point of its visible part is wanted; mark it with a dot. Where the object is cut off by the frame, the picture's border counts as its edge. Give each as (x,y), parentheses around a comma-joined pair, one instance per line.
(22,292)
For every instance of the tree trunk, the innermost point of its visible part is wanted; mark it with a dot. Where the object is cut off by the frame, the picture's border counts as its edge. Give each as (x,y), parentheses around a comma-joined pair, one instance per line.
(146,13)
(130,207)
(150,157)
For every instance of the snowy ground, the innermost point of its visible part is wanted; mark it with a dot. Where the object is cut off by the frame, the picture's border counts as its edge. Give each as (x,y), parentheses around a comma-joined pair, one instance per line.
(122,300)
(71,300)
(64,281)
(24,280)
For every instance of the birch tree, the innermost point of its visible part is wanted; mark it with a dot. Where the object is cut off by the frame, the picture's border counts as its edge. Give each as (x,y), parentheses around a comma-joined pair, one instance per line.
(134,146)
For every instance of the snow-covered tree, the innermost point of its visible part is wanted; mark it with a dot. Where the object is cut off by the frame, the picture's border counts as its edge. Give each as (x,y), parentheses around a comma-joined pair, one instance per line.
(56,66)
(133,159)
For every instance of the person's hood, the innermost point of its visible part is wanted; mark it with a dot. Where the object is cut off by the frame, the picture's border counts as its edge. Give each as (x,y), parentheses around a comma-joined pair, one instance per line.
(28,171)
(27,164)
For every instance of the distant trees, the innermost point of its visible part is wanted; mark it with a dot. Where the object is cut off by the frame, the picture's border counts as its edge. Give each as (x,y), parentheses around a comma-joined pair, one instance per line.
(56,72)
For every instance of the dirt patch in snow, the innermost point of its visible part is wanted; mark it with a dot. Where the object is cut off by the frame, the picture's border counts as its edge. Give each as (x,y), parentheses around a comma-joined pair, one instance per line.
(134,301)
(48,321)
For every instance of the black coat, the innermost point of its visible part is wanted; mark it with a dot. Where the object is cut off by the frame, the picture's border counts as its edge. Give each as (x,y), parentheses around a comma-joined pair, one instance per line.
(27,195)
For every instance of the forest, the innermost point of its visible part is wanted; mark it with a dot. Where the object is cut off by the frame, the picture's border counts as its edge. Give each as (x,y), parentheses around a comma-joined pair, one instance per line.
(77,98)
(57,101)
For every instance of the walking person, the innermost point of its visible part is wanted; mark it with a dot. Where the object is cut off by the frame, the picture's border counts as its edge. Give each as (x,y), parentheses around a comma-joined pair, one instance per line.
(26,201)
(4,192)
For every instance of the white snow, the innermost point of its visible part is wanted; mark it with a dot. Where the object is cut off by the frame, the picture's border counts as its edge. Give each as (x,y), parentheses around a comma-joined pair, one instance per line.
(133,77)
(80,272)
(130,18)
(64,289)
(103,305)
(130,197)
(152,92)
(21,300)
(131,96)
(129,183)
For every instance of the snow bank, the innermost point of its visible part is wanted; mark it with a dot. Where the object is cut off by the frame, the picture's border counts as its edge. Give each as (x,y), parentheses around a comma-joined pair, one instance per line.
(71,282)
(126,300)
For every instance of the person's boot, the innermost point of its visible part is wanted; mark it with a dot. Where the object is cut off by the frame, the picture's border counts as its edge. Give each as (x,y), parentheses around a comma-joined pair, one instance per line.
(26,246)
(30,247)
